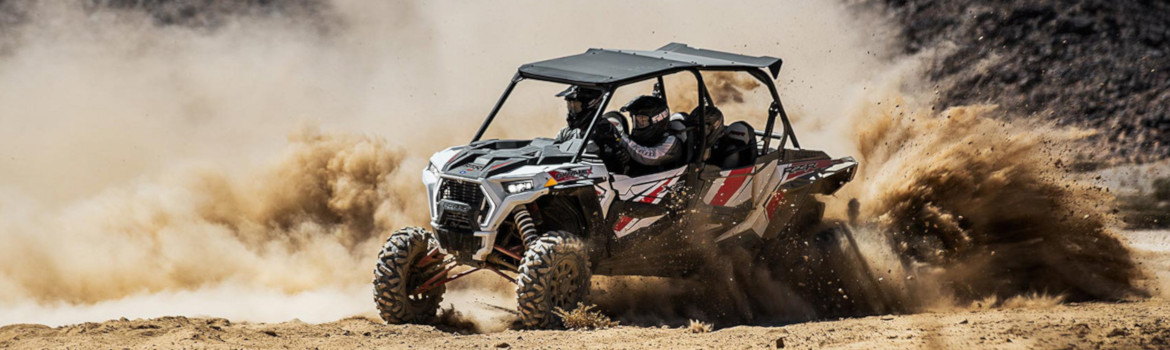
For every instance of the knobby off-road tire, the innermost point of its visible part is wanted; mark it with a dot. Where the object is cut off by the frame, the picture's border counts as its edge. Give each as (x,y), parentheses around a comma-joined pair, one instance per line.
(811,214)
(396,277)
(822,264)
(554,273)
(836,275)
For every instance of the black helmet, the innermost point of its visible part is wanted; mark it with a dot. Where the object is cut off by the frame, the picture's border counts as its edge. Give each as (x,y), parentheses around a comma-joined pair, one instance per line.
(582,103)
(651,117)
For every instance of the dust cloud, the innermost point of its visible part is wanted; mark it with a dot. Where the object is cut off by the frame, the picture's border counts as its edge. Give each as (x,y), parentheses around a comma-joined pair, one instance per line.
(964,211)
(988,205)
(305,223)
(146,160)
(153,166)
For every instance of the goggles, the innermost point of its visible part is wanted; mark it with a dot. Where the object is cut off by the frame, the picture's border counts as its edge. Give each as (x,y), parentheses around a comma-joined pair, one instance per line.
(642,121)
(575,106)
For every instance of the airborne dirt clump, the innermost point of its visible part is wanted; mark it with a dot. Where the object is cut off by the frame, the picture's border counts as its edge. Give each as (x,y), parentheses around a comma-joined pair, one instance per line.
(981,200)
(697,326)
(584,317)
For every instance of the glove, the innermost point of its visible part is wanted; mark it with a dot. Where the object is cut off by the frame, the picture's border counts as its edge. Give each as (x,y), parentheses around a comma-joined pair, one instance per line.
(606,134)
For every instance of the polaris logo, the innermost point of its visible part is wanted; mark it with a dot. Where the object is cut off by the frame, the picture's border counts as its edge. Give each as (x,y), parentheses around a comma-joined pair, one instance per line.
(570,175)
(449,205)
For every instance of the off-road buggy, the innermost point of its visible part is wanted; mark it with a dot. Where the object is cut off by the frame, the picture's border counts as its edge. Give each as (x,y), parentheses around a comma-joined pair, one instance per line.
(552,213)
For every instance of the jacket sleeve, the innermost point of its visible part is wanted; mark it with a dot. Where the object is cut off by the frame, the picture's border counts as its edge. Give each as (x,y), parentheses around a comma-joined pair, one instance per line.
(567,134)
(663,153)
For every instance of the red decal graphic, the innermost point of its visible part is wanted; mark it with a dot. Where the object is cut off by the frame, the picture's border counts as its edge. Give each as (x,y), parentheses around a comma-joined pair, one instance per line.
(654,194)
(730,186)
(500,165)
(622,222)
(773,204)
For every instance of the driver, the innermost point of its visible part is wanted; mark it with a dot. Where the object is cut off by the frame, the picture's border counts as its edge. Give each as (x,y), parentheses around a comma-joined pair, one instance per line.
(650,144)
(582,104)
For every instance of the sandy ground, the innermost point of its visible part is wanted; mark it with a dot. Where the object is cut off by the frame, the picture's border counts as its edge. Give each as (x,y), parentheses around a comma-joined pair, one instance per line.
(1032,323)
(1141,324)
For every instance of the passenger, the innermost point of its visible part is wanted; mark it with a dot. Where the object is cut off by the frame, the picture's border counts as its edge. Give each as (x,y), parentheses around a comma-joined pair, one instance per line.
(650,144)
(714,129)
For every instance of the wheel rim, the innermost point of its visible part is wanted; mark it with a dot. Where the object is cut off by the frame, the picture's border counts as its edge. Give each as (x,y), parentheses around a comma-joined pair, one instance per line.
(567,284)
(416,276)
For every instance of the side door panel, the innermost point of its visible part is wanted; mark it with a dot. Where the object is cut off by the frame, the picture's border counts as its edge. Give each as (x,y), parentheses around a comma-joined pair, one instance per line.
(641,200)
(646,222)
(731,188)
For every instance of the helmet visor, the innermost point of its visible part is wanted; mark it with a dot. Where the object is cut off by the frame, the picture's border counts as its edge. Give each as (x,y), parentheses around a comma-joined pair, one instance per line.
(574,107)
(641,121)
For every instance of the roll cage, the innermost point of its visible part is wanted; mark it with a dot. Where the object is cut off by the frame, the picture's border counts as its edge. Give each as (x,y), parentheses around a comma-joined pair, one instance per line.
(608,70)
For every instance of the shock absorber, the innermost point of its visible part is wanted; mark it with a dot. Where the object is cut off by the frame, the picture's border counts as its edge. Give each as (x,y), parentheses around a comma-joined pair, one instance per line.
(525,225)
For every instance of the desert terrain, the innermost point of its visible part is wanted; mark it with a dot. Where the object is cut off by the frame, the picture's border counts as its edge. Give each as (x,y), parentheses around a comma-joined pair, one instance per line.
(1032,325)
(213,174)
(1026,322)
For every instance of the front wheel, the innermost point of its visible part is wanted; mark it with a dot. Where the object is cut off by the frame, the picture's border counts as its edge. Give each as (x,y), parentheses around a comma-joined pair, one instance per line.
(553,274)
(399,274)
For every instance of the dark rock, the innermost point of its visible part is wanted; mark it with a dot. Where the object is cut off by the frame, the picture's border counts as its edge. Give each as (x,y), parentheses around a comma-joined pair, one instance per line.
(1093,64)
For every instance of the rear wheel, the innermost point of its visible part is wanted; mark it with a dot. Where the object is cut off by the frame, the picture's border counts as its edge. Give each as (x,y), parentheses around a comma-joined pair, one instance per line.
(856,287)
(810,214)
(827,269)
(398,275)
(553,274)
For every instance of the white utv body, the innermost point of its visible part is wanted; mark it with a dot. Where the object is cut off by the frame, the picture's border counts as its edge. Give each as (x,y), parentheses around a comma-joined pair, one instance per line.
(547,215)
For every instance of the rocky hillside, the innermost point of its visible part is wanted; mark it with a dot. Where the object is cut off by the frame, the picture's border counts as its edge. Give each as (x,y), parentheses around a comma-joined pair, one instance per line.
(1096,64)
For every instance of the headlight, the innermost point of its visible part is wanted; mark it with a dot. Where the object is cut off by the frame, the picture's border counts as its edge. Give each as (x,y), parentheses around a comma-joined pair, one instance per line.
(432,169)
(518,186)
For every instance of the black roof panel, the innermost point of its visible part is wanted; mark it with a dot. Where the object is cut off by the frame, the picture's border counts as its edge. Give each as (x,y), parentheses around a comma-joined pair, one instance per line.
(604,66)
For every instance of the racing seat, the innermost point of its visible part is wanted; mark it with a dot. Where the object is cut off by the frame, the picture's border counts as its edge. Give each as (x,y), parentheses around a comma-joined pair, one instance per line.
(737,148)
(681,127)
(616,116)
